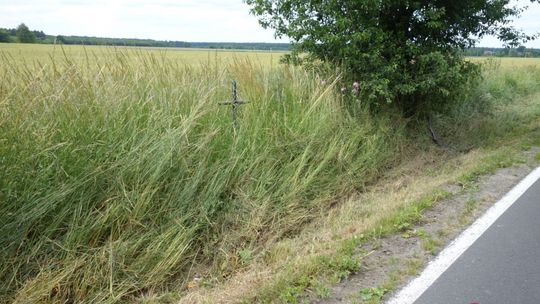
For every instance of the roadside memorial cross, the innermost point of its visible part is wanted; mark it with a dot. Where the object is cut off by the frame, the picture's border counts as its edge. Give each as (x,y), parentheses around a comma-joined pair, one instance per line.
(234,103)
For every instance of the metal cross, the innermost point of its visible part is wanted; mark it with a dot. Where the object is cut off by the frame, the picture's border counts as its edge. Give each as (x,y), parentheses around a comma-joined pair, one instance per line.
(234,103)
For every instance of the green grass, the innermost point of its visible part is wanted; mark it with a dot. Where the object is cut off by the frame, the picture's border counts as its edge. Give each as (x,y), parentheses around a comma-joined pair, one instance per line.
(503,105)
(314,273)
(120,175)
(470,206)
(404,218)
(372,295)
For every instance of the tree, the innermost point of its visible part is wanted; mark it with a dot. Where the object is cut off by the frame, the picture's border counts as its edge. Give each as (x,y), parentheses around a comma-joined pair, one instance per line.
(4,36)
(24,34)
(39,35)
(401,51)
(59,39)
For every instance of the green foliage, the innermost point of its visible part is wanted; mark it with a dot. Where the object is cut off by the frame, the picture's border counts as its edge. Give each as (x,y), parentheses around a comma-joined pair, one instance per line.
(24,34)
(372,295)
(314,273)
(40,35)
(406,52)
(4,36)
(59,39)
(245,256)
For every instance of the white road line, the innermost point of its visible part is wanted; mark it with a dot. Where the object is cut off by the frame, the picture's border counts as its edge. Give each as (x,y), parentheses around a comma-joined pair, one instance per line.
(450,254)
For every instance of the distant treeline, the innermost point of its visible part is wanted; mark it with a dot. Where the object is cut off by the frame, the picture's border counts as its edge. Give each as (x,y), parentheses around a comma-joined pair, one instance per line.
(241,45)
(502,52)
(10,35)
(14,35)
(84,40)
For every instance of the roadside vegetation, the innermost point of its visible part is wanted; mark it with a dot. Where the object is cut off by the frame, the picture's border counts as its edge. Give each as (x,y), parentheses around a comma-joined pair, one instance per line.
(493,133)
(122,179)
(120,174)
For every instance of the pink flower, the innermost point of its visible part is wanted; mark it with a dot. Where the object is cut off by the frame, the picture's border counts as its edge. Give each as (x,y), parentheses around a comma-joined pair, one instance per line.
(343,90)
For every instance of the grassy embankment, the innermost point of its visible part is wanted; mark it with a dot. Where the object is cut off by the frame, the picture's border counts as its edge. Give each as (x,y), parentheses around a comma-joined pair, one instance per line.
(121,177)
(499,119)
(119,172)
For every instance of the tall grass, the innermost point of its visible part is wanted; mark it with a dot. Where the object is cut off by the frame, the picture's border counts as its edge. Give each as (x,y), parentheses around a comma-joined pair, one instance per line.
(503,104)
(120,174)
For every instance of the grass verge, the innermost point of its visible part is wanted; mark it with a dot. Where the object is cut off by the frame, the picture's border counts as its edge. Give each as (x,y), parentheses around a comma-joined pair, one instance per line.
(496,137)
(122,180)
(121,176)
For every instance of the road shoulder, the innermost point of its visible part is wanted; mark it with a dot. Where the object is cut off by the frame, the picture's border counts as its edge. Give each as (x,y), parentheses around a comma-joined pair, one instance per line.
(389,263)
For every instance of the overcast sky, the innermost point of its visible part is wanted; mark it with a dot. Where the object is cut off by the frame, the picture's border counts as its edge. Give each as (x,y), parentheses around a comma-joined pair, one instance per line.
(186,20)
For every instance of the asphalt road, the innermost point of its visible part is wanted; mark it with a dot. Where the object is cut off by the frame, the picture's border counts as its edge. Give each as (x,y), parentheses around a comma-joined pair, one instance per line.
(502,266)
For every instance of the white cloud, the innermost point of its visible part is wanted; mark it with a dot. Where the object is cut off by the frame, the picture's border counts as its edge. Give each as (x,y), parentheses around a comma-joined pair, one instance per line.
(187,20)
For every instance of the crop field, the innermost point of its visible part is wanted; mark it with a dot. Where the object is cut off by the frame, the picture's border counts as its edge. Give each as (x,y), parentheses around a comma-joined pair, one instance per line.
(121,176)
(510,63)
(45,53)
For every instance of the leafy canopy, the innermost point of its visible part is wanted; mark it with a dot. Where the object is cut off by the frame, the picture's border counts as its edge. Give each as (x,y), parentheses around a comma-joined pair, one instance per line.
(4,36)
(400,51)
(24,34)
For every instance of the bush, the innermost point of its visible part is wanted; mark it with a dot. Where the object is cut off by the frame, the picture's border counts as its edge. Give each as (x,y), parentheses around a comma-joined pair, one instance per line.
(4,36)
(24,34)
(402,52)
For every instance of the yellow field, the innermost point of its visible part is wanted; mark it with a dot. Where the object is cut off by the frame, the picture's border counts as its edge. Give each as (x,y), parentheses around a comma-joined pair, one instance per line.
(510,62)
(43,52)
